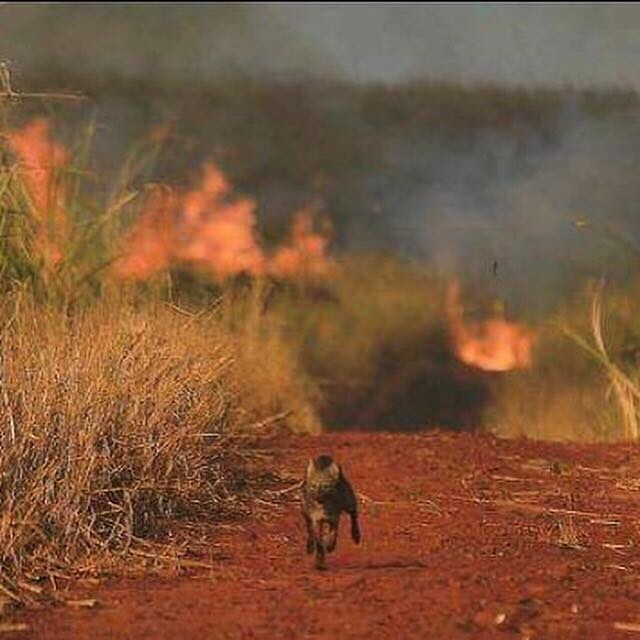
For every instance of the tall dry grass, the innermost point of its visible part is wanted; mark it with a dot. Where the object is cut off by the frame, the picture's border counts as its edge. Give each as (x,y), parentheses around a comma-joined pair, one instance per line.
(118,412)
(268,360)
(623,387)
(585,382)
(115,421)
(373,339)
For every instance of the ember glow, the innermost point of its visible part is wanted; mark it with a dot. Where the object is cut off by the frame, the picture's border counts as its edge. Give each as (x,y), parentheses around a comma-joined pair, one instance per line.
(40,162)
(211,229)
(493,344)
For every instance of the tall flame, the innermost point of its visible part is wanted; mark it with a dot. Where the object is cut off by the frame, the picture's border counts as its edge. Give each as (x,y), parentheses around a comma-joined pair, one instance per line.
(150,245)
(40,159)
(215,233)
(208,228)
(493,344)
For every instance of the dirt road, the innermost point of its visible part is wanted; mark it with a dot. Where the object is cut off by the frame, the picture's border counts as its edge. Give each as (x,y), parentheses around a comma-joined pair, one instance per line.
(465,536)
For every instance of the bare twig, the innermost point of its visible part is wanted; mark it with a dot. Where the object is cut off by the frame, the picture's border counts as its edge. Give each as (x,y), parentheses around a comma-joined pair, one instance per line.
(278,417)
(8,93)
(399,503)
(5,95)
(535,508)
(195,564)
(627,626)
(290,489)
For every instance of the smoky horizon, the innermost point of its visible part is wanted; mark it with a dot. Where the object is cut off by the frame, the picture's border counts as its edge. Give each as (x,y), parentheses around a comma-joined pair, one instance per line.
(515,44)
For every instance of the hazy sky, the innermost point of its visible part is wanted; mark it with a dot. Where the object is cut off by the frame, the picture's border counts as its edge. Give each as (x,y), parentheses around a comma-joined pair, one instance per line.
(521,43)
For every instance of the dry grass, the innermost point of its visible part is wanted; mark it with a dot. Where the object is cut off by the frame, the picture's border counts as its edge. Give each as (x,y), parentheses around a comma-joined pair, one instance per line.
(268,362)
(625,390)
(568,534)
(119,413)
(115,422)
(584,385)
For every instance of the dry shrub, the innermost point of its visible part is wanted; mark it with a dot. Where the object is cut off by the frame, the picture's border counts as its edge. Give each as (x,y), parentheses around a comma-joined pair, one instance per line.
(272,383)
(113,422)
(268,365)
(372,338)
(549,405)
(584,384)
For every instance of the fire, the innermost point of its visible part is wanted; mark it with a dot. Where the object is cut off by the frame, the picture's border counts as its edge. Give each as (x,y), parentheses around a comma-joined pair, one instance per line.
(216,233)
(207,227)
(150,245)
(306,253)
(201,227)
(40,160)
(492,345)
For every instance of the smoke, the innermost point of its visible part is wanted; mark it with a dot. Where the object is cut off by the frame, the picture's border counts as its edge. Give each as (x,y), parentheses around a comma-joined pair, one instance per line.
(505,43)
(525,218)
(180,42)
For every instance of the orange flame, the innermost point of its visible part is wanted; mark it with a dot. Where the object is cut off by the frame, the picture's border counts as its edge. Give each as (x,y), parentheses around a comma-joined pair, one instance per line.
(491,345)
(217,234)
(306,252)
(150,244)
(40,160)
(207,228)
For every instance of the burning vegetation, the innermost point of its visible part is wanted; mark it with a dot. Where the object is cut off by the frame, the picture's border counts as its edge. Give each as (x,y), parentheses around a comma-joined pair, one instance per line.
(206,227)
(494,344)
(211,229)
(41,165)
(305,252)
(382,355)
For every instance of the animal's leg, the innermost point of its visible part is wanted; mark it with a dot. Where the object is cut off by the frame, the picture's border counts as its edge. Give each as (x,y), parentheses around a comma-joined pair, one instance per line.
(333,535)
(355,527)
(310,537)
(351,507)
(320,544)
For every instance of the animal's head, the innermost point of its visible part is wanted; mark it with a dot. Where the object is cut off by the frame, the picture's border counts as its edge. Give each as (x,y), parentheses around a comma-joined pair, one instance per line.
(323,473)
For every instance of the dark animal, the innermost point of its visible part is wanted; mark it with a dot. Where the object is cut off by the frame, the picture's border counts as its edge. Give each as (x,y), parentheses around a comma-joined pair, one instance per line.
(326,493)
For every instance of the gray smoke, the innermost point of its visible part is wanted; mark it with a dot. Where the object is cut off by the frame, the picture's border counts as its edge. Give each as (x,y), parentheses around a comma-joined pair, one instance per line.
(515,43)
(522,218)
(177,42)
(527,223)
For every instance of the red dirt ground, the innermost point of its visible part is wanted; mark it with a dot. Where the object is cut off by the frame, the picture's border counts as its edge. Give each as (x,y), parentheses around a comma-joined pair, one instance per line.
(464,536)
